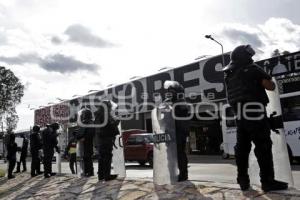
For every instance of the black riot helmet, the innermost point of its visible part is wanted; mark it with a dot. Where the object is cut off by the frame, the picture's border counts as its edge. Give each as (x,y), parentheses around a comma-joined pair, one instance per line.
(86,115)
(242,54)
(175,89)
(36,128)
(12,138)
(55,126)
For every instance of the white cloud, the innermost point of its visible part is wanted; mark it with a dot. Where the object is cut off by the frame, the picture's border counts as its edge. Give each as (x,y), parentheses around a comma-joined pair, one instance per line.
(275,33)
(82,35)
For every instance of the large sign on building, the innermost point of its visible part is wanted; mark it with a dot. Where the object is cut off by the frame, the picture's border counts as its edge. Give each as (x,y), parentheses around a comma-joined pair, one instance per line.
(203,82)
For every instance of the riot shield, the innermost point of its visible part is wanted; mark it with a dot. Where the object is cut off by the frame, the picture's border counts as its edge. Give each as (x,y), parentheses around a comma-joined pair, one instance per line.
(118,156)
(165,169)
(282,167)
(79,155)
(58,157)
(19,141)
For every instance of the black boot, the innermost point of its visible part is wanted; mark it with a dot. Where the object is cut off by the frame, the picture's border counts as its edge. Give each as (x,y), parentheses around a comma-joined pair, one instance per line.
(182,177)
(47,175)
(10,176)
(244,183)
(111,177)
(274,185)
(100,170)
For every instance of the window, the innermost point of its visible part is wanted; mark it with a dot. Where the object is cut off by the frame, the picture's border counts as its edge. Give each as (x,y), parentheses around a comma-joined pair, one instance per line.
(140,139)
(291,108)
(131,141)
(148,139)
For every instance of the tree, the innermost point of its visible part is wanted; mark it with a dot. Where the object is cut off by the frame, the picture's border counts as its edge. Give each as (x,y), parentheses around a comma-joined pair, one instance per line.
(11,120)
(277,53)
(12,91)
(285,52)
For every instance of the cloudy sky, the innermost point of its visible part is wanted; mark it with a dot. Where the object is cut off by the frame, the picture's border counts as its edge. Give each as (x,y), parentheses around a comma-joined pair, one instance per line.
(60,48)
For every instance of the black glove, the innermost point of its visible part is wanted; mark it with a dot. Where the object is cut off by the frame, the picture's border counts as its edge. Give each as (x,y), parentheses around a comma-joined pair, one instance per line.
(57,149)
(276,122)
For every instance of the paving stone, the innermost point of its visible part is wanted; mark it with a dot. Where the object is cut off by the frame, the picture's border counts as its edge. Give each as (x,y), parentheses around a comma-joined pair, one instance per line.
(129,187)
(68,187)
(133,195)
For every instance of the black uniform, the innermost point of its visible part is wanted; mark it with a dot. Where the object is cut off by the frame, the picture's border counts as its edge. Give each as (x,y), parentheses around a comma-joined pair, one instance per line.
(11,155)
(106,137)
(244,84)
(23,156)
(71,151)
(182,132)
(49,138)
(87,134)
(182,127)
(35,146)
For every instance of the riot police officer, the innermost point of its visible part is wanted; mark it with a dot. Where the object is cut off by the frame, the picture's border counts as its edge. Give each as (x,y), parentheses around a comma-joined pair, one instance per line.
(12,149)
(175,94)
(246,83)
(86,134)
(35,146)
(106,136)
(49,138)
(71,152)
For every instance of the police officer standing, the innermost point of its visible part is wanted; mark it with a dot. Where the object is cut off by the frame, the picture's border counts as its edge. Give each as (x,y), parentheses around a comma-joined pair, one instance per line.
(71,152)
(35,146)
(175,95)
(246,83)
(86,134)
(106,137)
(49,138)
(12,149)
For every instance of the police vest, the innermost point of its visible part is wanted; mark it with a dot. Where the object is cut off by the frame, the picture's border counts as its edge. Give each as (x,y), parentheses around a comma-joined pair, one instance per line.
(238,89)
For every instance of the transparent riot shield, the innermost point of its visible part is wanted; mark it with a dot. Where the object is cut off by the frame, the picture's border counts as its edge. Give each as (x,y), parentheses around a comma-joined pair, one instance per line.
(118,156)
(79,158)
(58,156)
(165,169)
(282,167)
(19,142)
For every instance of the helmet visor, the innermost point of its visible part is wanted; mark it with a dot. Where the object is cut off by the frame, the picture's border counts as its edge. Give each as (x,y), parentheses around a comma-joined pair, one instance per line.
(250,50)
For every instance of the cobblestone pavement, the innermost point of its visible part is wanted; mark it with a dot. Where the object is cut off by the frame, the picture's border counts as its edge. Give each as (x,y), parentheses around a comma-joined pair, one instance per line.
(71,187)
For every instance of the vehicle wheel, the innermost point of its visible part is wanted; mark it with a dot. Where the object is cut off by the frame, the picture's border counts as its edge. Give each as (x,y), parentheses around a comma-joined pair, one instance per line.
(150,160)
(291,158)
(142,163)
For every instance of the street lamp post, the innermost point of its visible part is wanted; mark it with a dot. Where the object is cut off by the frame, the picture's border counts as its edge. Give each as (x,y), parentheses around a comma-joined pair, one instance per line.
(213,39)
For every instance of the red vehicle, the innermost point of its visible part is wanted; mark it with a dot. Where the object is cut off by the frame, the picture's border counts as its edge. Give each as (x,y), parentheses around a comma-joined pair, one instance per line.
(127,133)
(139,147)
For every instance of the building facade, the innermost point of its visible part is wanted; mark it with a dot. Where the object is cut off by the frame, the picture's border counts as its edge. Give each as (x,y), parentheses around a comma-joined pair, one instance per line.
(204,90)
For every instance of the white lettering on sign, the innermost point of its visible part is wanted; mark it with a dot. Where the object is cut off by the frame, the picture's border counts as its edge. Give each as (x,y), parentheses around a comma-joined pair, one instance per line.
(162,138)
